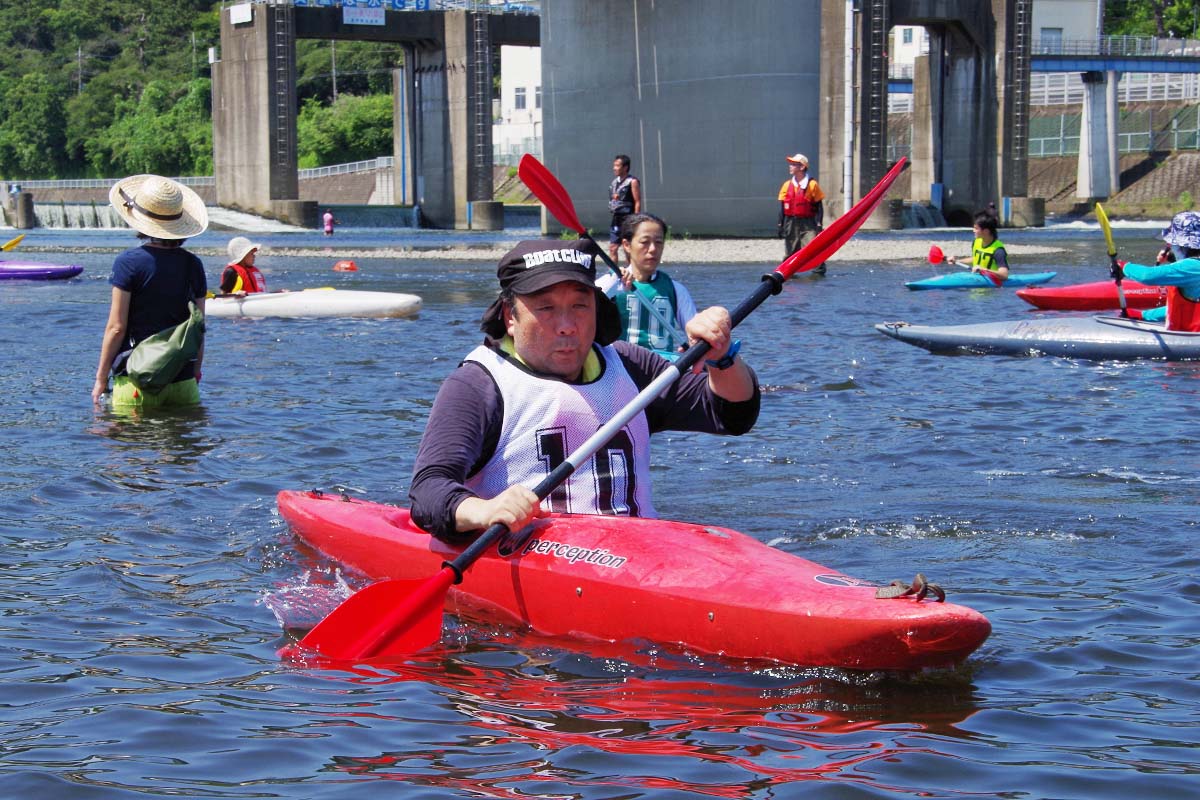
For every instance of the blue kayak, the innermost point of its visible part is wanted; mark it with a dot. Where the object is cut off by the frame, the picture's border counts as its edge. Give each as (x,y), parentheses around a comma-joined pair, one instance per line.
(970,280)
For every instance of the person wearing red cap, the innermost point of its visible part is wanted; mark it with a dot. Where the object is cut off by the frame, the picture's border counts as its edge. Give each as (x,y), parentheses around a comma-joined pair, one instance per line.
(549,374)
(801,214)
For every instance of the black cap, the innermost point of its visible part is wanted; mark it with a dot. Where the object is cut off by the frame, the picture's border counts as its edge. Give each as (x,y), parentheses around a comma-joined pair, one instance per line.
(535,265)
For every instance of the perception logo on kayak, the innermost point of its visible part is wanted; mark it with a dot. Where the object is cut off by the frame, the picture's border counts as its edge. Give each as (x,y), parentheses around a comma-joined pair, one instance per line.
(840,580)
(574,554)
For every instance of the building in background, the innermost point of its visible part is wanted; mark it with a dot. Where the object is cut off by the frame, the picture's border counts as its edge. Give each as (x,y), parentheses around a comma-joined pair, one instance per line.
(517,123)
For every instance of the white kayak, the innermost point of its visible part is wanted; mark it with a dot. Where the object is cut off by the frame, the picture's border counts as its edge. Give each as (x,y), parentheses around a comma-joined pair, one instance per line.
(315,303)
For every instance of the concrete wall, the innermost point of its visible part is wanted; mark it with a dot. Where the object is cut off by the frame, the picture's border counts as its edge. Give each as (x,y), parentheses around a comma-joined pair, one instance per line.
(706,96)
(1076,18)
(241,150)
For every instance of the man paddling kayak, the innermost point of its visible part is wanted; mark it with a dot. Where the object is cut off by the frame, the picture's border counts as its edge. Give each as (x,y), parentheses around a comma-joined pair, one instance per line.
(549,374)
(1182,311)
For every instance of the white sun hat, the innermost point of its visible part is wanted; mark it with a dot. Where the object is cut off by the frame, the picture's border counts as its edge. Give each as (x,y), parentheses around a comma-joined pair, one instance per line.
(159,207)
(238,247)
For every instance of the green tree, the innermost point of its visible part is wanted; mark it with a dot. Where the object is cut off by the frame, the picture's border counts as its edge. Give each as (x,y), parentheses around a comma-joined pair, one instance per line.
(32,133)
(352,129)
(166,130)
(1161,18)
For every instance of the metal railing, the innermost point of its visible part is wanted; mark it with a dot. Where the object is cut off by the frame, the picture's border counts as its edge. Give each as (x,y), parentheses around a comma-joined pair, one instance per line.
(490,6)
(370,165)
(1115,46)
(105,183)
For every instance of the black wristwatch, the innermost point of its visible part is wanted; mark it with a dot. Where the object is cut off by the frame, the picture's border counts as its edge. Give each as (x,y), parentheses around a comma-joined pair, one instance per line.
(727,360)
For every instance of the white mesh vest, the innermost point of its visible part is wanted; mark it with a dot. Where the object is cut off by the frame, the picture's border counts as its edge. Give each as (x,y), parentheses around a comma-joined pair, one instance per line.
(546,419)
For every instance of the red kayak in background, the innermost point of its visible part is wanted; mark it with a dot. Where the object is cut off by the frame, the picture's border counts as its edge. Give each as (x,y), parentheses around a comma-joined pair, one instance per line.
(1098,296)
(626,579)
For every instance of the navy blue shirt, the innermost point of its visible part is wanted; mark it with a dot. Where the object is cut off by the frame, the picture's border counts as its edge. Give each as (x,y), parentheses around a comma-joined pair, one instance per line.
(161,281)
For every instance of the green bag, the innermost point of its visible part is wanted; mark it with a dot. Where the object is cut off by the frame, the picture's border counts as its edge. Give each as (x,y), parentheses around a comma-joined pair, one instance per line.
(157,359)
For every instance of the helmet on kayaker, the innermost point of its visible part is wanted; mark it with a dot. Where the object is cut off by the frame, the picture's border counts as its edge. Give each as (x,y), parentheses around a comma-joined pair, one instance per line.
(1184,230)
(538,264)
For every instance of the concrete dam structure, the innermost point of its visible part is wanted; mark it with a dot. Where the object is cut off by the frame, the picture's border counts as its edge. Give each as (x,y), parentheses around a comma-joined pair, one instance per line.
(706,96)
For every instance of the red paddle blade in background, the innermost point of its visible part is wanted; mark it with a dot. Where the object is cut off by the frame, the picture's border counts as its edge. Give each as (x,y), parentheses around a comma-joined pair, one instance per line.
(550,191)
(935,255)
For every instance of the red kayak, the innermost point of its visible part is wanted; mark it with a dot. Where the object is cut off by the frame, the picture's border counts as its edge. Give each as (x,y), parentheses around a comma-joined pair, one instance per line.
(618,579)
(1098,296)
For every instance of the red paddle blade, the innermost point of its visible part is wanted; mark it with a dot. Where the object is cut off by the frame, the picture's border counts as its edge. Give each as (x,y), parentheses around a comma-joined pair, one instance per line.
(995,277)
(388,618)
(828,241)
(547,189)
(936,256)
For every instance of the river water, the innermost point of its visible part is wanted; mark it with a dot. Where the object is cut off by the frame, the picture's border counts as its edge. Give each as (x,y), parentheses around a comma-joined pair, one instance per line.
(1058,497)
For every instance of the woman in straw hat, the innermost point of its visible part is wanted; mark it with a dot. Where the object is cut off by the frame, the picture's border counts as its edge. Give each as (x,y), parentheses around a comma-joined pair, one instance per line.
(152,285)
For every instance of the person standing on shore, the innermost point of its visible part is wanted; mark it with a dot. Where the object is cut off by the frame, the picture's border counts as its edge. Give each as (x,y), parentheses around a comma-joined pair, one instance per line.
(624,198)
(801,213)
(152,285)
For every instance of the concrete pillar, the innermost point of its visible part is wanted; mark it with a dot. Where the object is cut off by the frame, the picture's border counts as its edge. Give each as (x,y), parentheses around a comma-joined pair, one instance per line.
(254,117)
(1022,212)
(403,131)
(487,215)
(25,217)
(1112,115)
(447,175)
(1093,179)
(926,174)
(969,124)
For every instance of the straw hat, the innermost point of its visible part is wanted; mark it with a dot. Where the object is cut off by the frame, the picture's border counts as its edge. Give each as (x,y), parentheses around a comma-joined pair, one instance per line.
(159,207)
(238,247)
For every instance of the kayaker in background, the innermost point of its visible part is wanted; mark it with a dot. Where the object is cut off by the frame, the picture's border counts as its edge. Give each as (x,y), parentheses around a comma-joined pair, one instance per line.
(241,277)
(549,374)
(1182,311)
(801,212)
(643,237)
(624,198)
(152,285)
(987,251)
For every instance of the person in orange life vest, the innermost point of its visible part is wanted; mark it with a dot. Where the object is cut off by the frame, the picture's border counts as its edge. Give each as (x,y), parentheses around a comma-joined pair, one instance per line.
(240,275)
(1182,312)
(801,214)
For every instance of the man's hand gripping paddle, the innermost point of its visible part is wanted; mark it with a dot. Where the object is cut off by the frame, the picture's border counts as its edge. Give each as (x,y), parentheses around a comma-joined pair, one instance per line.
(396,617)
(1114,265)
(554,197)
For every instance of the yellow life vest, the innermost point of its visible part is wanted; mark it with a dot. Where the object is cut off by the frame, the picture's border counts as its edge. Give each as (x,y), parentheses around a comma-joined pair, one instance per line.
(985,257)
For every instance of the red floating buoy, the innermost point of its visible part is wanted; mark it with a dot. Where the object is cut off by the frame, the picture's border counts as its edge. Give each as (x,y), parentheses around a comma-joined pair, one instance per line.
(345,266)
